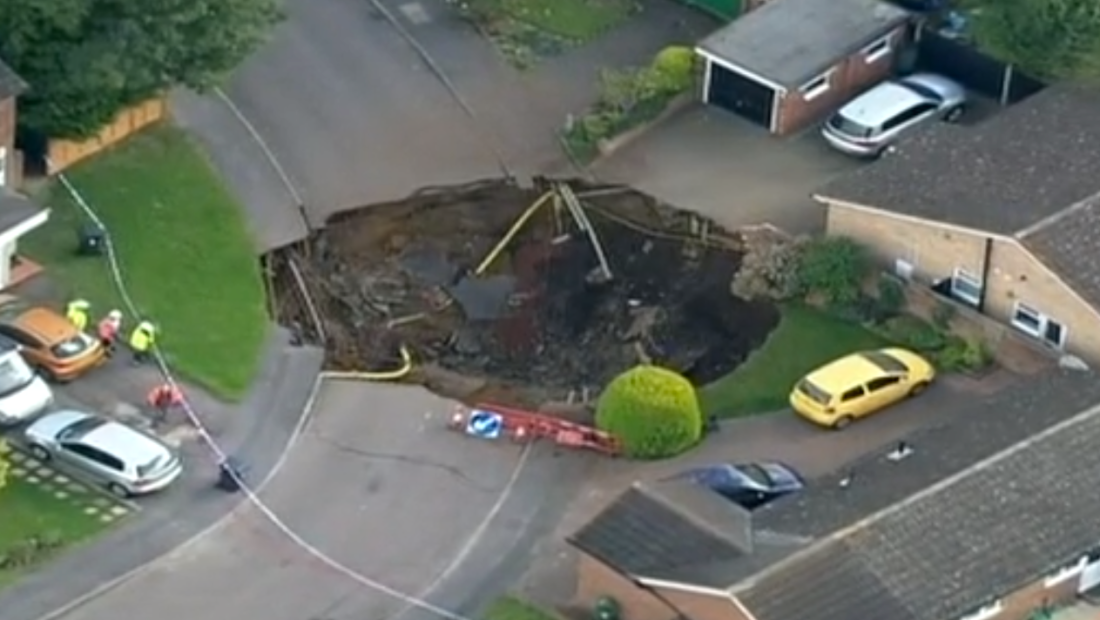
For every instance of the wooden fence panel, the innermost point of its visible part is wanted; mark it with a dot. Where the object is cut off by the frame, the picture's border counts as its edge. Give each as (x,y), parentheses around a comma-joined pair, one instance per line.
(64,153)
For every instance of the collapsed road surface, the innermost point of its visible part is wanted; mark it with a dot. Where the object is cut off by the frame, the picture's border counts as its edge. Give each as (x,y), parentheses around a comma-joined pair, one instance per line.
(501,285)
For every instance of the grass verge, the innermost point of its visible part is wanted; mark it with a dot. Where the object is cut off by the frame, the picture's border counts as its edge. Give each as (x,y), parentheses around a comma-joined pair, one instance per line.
(512,608)
(31,512)
(527,30)
(185,250)
(804,339)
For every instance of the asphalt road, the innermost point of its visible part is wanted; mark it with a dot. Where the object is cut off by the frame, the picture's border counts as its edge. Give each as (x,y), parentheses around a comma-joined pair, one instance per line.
(380,485)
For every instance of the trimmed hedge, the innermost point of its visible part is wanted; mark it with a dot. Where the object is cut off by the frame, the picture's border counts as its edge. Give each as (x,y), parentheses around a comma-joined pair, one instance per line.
(653,411)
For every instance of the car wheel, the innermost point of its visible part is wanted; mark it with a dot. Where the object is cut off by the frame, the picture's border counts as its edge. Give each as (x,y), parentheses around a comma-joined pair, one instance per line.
(954,114)
(918,388)
(40,453)
(118,490)
(842,422)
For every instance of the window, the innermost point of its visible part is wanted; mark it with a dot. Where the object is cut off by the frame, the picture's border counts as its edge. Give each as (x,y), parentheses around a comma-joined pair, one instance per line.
(985,611)
(96,456)
(1027,319)
(909,116)
(877,50)
(1054,333)
(1066,572)
(966,287)
(816,87)
(851,394)
(882,383)
(3,166)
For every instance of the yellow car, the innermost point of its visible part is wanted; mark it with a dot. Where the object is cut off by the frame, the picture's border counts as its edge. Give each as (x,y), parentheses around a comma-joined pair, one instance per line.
(860,384)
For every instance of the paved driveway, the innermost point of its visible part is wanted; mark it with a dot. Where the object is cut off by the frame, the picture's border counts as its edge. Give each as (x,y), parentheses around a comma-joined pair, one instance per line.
(379,484)
(713,162)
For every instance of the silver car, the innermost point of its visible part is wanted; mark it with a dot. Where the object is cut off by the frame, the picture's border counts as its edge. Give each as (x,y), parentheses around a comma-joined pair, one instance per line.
(867,125)
(128,462)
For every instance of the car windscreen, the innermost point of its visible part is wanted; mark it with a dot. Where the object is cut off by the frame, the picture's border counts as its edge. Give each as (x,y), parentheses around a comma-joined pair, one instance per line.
(814,393)
(888,363)
(78,429)
(72,347)
(756,474)
(848,127)
(14,374)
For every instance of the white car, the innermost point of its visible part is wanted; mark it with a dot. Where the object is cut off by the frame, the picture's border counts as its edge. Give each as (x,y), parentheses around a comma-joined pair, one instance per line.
(23,394)
(867,125)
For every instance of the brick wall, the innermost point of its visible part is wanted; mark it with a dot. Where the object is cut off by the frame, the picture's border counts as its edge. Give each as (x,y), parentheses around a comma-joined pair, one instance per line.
(1021,604)
(934,252)
(850,77)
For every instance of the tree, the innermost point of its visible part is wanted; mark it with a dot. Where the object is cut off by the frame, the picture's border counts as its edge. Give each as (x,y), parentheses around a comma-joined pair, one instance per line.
(85,60)
(653,411)
(1049,39)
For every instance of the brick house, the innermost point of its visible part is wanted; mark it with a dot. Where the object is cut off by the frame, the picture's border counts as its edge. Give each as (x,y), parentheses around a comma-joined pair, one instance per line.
(991,516)
(788,63)
(1003,217)
(18,215)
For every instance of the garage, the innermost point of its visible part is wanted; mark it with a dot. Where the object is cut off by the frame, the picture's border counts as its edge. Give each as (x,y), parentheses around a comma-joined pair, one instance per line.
(787,64)
(740,94)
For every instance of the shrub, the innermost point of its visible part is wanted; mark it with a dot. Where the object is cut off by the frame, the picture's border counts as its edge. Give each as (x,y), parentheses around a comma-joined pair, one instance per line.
(653,411)
(891,297)
(911,332)
(769,269)
(960,354)
(833,267)
(942,315)
(673,69)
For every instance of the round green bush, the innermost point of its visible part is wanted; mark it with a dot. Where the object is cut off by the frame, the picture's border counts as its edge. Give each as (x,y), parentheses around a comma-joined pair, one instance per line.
(674,68)
(653,411)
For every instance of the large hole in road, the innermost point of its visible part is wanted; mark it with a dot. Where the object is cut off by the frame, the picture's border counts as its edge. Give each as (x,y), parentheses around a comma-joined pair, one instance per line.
(540,321)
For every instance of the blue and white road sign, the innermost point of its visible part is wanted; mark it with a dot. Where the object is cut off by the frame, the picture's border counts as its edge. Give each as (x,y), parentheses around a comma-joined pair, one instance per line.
(484,424)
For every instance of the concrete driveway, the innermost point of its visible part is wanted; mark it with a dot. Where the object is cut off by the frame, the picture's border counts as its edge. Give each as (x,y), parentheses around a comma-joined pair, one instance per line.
(720,165)
(379,484)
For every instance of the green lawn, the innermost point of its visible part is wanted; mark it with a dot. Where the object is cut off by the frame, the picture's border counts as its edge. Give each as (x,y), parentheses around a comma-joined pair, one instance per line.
(512,608)
(804,339)
(28,511)
(185,250)
(576,20)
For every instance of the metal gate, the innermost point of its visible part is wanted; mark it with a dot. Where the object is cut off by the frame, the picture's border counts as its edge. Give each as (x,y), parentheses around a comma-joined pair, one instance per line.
(741,95)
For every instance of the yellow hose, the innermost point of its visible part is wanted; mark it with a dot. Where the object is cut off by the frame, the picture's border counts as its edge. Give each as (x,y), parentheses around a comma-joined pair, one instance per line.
(503,243)
(385,375)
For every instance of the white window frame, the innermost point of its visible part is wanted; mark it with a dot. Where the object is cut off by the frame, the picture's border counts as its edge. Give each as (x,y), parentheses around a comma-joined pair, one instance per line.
(904,269)
(1043,321)
(1064,574)
(878,49)
(985,612)
(817,86)
(970,279)
(3,167)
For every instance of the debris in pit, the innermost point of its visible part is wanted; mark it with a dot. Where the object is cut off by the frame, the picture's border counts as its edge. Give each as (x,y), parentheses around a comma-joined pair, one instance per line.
(543,317)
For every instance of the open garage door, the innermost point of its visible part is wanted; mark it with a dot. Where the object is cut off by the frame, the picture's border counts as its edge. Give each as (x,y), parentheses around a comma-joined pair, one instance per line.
(739,94)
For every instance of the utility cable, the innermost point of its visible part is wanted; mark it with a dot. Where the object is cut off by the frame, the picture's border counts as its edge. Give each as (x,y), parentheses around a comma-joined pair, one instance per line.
(116,274)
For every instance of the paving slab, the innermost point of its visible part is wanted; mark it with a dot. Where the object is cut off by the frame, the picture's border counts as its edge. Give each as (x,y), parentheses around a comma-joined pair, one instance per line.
(720,165)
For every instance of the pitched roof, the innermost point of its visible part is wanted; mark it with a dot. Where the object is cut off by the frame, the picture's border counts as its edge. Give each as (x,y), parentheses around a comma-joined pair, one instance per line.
(989,501)
(958,545)
(653,529)
(1069,243)
(16,209)
(11,84)
(1026,163)
(793,41)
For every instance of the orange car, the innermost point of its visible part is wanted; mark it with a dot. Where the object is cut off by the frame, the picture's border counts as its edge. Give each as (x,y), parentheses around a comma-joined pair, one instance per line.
(49,342)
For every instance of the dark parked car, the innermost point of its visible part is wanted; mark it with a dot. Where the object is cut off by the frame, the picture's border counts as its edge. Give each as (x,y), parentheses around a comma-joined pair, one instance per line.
(749,484)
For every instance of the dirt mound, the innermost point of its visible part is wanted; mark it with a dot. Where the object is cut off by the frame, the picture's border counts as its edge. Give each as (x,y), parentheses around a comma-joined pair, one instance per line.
(540,321)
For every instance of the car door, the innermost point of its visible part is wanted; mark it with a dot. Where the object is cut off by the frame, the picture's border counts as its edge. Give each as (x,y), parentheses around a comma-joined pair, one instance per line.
(93,461)
(884,391)
(910,118)
(853,402)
